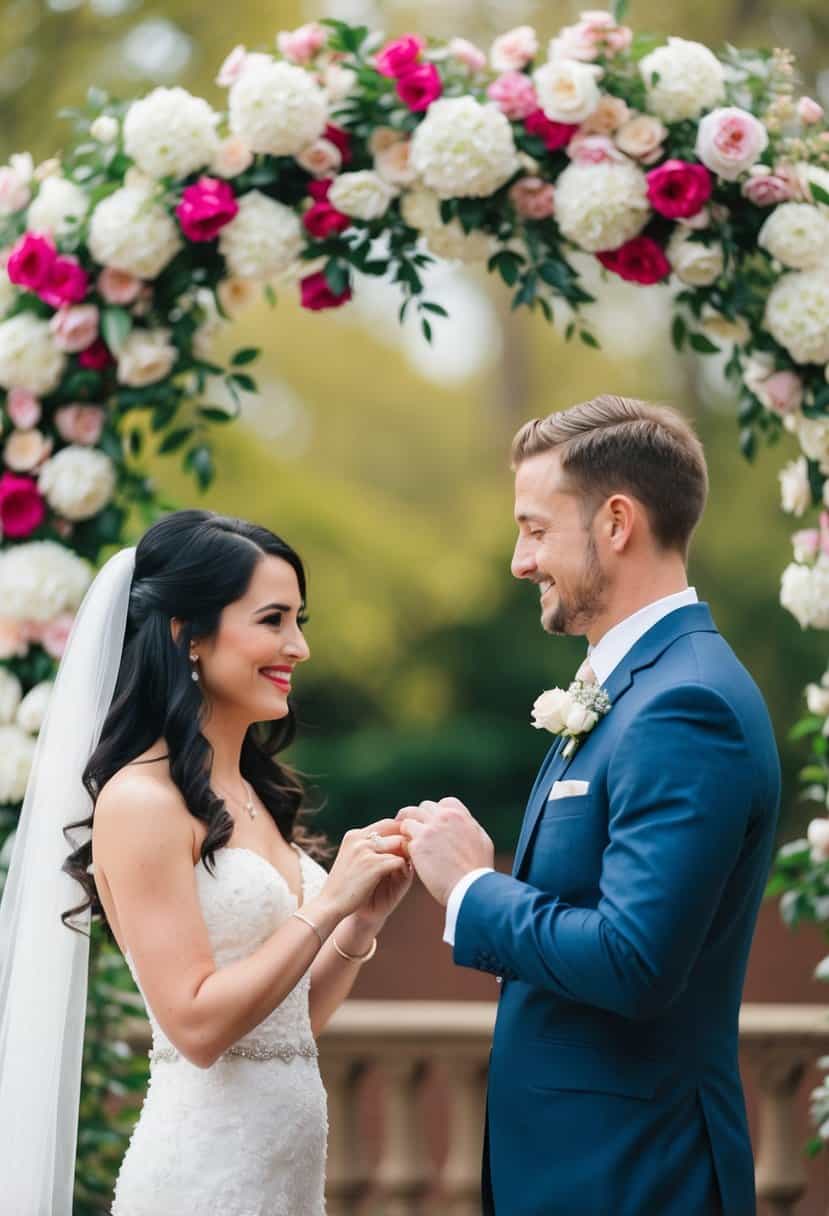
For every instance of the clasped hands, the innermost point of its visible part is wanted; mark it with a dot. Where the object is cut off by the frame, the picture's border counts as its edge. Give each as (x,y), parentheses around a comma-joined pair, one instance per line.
(445,842)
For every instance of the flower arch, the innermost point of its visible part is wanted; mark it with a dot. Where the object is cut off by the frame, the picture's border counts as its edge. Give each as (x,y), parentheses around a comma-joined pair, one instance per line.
(338,156)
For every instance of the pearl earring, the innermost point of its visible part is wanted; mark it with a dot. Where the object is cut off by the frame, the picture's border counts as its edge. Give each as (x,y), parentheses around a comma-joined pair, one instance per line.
(194,675)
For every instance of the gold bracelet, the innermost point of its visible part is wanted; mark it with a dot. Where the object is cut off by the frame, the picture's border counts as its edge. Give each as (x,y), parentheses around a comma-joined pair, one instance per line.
(310,925)
(355,958)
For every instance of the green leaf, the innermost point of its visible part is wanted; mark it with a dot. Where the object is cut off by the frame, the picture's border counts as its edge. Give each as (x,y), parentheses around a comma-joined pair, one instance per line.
(437,309)
(336,276)
(806,726)
(748,443)
(246,355)
(175,440)
(588,339)
(116,324)
(679,331)
(818,193)
(618,10)
(270,295)
(245,382)
(427,329)
(703,345)
(214,413)
(813,772)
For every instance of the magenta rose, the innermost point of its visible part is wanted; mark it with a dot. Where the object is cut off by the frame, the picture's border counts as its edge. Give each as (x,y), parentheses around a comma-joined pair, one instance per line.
(679,189)
(341,140)
(22,506)
(641,260)
(399,56)
(67,283)
(96,357)
(554,135)
(30,261)
(205,208)
(319,189)
(316,295)
(514,94)
(419,87)
(322,220)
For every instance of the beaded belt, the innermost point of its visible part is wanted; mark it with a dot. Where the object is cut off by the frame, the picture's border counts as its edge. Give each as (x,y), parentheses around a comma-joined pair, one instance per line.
(253,1051)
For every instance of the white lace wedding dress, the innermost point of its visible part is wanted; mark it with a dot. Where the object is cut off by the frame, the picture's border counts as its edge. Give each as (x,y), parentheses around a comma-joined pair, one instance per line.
(247,1136)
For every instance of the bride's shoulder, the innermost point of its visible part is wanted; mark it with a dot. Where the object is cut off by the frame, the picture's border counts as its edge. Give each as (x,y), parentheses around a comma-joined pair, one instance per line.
(141,799)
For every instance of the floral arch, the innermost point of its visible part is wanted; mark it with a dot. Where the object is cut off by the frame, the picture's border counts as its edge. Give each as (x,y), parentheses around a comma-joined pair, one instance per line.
(340,156)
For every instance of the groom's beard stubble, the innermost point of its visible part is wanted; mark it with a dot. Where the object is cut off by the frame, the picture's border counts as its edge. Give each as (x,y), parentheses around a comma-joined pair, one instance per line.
(574,612)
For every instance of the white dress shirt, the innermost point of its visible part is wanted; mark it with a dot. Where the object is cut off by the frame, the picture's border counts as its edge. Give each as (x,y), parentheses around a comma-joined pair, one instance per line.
(604,657)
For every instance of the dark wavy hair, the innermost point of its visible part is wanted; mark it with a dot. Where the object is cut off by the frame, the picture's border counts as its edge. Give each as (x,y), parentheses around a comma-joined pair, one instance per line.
(189,565)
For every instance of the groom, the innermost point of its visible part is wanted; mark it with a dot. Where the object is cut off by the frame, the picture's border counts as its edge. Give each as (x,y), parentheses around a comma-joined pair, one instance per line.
(622,935)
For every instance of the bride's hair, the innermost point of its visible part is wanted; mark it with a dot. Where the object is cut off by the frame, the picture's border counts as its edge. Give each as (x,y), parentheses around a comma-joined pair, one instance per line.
(189,565)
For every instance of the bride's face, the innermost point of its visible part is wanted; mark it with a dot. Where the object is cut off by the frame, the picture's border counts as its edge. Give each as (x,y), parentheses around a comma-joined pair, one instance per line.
(248,665)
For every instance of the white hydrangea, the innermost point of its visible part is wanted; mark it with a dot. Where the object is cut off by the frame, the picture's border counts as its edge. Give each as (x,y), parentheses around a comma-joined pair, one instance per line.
(693,262)
(795,490)
(812,175)
(277,107)
(804,592)
(131,232)
(11,693)
(363,195)
(463,149)
(40,579)
(682,80)
(28,355)
(17,750)
(32,709)
(77,482)
(797,234)
(451,242)
(170,133)
(600,206)
(797,314)
(58,207)
(263,239)
(8,294)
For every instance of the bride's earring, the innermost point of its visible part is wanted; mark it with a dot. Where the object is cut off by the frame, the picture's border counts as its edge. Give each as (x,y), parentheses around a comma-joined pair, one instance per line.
(194,675)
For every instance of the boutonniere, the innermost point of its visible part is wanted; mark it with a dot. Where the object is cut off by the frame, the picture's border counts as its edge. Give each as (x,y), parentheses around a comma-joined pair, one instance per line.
(572,712)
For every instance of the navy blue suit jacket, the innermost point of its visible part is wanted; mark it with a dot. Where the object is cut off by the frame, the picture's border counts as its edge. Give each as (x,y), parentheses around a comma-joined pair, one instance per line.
(622,938)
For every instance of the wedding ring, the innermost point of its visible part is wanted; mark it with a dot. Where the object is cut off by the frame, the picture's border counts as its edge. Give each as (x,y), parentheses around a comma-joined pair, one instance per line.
(377,840)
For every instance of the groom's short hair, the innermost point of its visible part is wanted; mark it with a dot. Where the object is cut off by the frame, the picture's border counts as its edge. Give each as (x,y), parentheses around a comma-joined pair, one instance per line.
(621,445)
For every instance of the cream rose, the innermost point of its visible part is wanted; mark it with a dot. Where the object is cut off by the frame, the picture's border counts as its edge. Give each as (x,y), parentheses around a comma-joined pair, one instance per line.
(795,490)
(693,262)
(363,195)
(568,90)
(146,356)
(78,482)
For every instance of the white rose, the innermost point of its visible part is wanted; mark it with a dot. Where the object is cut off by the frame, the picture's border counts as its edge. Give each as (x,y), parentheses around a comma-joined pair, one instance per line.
(797,314)
(17,750)
(726,329)
(363,195)
(11,693)
(682,80)
(338,82)
(818,836)
(797,234)
(41,579)
(263,239)
(580,719)
(693,262)
(147,355)
(512,51)
(170,133)
(131,232)
(817,699)
(600,206)
(29,357)
(277,108)
(813,437)
(804,592)
(421,209)
(8,294)
(463,149)
(568,90)
(105,129)
(58,208)
(550,710)
(451,243)
(77,482)
(795,490)
(32,708)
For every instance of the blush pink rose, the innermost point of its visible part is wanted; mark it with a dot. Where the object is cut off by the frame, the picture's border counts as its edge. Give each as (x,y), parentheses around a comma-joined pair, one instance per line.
(232,157)
(321,158)
(55,634)
(806,544)
(782,392)
(596,33)
(766,189)
(533,198)
(96,357)
(14,191)
(465,52)
(67,282)
(514,94)
(25,451)
(81,424)
(315,294)
(232,67)
(31,260)
(809,111)
(301,45)
(205,208)
(640,260)
(514,49)
(118,286)
(75,328)
(23,408)
(14,644)
(641,137)
(399,56)
(22,506)
(593,149)
(419,87)
(608,116)
(678,189)
(729,141)
(554,135)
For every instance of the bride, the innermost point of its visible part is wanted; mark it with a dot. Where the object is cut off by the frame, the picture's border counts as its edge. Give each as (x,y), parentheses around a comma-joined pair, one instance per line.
(170,706)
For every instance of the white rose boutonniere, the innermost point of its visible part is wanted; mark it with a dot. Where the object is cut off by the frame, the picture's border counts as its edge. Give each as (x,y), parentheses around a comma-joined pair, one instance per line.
(571,712)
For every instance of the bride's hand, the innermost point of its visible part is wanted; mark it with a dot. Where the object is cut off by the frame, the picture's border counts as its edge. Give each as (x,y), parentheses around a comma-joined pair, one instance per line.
(389,892)
(368,875)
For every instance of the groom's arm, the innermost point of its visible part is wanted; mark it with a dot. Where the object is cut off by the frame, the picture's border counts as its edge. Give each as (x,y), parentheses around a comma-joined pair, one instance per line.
(680,787)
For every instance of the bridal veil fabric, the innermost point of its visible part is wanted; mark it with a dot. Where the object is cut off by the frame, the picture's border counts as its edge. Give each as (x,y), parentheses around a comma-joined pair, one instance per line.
(43,964)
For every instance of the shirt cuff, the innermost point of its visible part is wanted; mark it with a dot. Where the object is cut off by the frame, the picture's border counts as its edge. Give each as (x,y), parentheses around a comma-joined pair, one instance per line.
(453,905)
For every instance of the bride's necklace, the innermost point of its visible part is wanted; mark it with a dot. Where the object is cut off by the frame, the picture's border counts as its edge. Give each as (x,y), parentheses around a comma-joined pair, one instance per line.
(248,804)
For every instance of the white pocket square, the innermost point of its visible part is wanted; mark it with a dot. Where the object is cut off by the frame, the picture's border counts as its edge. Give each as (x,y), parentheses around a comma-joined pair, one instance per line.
(568,789)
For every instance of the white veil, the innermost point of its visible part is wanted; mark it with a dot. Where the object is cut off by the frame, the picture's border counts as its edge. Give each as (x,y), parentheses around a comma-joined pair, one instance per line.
(43,964)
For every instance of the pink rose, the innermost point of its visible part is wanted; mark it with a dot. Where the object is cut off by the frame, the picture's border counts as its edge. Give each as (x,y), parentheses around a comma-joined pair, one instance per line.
(301,45)
(809,111)
(55,634)
(75,328)
(22,507)
(419,87)
(399,56)
(593,149)
(641,138)
(596,33)
(23,408)
(514,50)
(118,286)
(806,544)
(608,116)
(533,198)
(679,189)
(782,392)
(514,94)
(316,295)
(766,189)
(730,141)
(67,283)
(232,68)
(468,54)
(14,192)
(341,139)
(81,424)
(640,260)
(321,158)
(554,135)
(96,357)
(205,208)
(25,451)
(394,164)
(31,260)
(232,157)
(14,643)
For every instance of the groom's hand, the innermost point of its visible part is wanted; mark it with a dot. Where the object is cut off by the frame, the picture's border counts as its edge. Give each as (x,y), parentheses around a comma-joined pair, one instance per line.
(445,842)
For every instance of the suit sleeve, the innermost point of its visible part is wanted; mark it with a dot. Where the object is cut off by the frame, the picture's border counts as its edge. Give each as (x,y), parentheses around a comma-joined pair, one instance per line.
(680,783)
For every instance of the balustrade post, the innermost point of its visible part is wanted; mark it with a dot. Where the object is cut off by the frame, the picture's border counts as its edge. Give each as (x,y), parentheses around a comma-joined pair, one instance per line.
(404,1172)
(461,1178)
(780,1173)
(346,1174)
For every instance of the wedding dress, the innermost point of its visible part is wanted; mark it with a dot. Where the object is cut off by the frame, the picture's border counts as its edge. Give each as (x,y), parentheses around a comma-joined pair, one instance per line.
(247,1136)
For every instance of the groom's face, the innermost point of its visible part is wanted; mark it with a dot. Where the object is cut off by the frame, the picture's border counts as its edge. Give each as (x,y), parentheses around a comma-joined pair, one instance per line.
(556,547)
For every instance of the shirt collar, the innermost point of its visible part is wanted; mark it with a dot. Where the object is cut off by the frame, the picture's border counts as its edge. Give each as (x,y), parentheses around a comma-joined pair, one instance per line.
(608,653)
